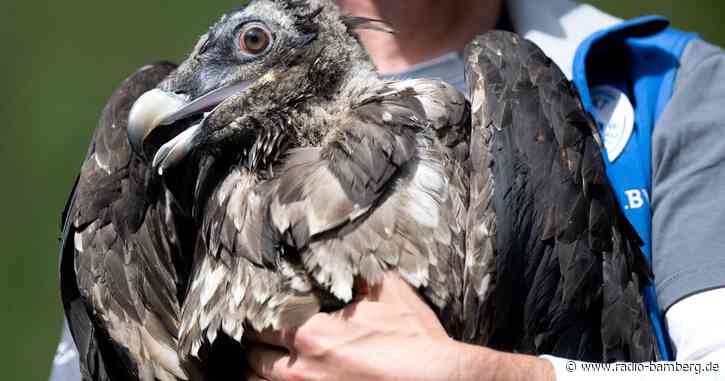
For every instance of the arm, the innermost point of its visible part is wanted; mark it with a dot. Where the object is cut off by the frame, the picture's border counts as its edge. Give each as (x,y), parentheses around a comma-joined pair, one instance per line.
(688,180)
(392,335)
(697,334)
(688,214)
(388,335)
(364,341)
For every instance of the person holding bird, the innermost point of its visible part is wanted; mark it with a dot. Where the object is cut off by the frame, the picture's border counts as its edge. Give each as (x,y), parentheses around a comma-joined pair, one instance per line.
(650,89)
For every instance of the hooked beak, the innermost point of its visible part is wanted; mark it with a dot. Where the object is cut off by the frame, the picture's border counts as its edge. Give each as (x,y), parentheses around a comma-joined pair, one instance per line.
(157,108)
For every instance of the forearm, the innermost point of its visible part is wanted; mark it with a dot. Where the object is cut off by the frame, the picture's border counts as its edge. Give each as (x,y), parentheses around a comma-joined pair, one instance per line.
(484,364)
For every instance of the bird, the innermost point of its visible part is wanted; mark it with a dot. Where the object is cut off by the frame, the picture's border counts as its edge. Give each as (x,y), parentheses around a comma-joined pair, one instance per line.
(554,266)
(123,266)
(259,181)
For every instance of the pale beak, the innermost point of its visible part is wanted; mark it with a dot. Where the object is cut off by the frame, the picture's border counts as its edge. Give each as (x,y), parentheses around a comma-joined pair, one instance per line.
(148,112)
(159,108)
(176,149)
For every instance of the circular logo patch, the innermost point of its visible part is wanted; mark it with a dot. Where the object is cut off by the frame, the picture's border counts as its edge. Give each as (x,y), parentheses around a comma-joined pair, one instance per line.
(614,115)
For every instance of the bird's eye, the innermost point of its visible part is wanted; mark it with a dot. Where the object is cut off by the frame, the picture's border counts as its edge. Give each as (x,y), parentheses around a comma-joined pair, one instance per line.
(254,39)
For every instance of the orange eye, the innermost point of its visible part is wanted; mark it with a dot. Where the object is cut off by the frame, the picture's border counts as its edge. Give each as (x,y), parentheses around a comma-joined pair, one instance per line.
(254,39)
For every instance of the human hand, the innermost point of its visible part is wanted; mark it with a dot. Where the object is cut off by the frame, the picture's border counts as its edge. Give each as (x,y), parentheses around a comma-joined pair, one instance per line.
(389,333)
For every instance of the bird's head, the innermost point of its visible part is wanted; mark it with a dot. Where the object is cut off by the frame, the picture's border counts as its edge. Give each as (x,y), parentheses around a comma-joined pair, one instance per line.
(256,63)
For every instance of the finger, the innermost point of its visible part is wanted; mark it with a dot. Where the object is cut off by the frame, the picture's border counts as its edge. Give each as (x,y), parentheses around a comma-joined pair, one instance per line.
(362,289)
(268,363)
(283,338)
(319,325)
(251,376)
(394,292)
(392,289)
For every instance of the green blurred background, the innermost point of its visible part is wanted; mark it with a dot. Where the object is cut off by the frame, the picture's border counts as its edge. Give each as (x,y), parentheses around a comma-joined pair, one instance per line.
(60,62)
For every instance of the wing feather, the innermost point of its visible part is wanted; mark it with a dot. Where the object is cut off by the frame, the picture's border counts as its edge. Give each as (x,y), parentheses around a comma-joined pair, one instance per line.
(232,287)
(122,259)
(543,225)
(387,190)
(382,192)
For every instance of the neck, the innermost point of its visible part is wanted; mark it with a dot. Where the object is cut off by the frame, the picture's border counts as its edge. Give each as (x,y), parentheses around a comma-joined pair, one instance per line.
(425,29)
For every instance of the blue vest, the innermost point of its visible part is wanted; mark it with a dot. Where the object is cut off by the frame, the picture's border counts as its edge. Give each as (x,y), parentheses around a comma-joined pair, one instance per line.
(640,58)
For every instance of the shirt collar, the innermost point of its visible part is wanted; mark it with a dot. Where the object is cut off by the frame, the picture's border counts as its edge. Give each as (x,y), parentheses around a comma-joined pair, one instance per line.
(557,26)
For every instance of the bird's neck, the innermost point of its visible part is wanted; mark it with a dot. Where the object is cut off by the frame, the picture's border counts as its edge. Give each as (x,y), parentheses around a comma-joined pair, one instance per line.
(309,96)
(311,121)
(335,81)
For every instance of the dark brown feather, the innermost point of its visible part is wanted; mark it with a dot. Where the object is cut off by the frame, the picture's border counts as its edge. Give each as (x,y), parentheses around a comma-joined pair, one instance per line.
(123,266)
(552,234)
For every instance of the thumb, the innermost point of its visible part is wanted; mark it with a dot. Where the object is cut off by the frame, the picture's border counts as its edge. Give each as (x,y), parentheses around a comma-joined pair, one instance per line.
(390,289)
(361,290)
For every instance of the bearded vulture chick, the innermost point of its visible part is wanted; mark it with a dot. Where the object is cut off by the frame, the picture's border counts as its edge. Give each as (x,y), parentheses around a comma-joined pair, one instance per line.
(274,168)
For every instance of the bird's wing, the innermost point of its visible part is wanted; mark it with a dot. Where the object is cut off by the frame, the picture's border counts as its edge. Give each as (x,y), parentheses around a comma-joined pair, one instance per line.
(122,255)
(385,191)
(551,261)
(332,212)
(231,287)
